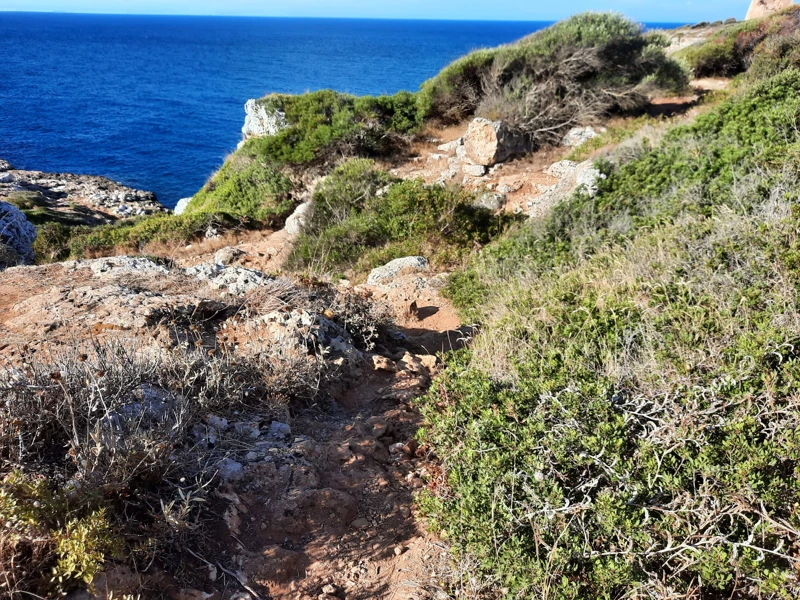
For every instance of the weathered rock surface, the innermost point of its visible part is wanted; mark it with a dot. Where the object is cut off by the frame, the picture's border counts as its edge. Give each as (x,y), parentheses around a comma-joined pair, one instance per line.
(235,280)
(261,121)
(490,142)
(17,234)
(299,218)
(764,8)
(409,264)
(181,206)
(571,177)
(86,198)
(578,136)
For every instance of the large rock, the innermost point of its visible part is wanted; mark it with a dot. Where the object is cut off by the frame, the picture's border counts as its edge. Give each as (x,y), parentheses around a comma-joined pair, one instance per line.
(490,142)
(5,165)
(414,264)
(261,121)
(17,235)
(764,8)
(181,206)
(299,218)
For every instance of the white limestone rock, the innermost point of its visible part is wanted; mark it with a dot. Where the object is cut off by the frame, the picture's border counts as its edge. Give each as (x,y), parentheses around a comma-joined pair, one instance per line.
(414,264)
(299,218)
(490,142)
(261,121)
(181,206)
(17,235)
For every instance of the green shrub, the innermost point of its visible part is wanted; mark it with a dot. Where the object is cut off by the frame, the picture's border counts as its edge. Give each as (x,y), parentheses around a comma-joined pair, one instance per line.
(246,187)
(327,123)
(625,424)
(769,42)
(66,542)
(575,71)
(364,218)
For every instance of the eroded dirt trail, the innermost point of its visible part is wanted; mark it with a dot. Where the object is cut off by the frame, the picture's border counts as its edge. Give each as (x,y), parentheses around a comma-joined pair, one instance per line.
(330,513)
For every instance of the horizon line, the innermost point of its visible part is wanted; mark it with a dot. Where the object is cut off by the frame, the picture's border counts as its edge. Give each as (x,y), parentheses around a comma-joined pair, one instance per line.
(124,14)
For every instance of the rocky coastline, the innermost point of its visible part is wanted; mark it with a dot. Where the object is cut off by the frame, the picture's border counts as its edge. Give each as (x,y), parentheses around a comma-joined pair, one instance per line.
(90,198)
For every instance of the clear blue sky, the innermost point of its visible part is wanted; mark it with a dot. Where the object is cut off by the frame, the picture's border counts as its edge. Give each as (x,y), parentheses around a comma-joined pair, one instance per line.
(524,10)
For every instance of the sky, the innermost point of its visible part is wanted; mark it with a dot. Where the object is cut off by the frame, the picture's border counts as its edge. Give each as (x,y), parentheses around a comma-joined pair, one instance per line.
(664,11)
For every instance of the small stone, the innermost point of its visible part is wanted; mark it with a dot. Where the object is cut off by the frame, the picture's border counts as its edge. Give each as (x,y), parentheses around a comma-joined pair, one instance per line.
(251,457)
(227,256)
(330,589)
(230,470)
(279,430)
(360,523)
(398,550)
(381,363)
(474,170)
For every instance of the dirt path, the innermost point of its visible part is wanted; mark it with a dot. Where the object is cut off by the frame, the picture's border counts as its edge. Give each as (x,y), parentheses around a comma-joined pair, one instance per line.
(330,514)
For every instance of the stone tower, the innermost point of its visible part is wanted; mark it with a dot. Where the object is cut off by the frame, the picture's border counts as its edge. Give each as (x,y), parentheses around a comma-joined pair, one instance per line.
(763,8)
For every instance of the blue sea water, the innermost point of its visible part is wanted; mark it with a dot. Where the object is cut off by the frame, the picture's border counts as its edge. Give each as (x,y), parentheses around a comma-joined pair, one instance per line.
(157,102)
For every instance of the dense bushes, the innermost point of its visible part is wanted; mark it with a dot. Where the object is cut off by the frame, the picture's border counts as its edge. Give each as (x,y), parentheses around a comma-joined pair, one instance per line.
(770,43)
(568,74)
(326,123)
(247,187)
(55,241)
(363,218)
(626,423)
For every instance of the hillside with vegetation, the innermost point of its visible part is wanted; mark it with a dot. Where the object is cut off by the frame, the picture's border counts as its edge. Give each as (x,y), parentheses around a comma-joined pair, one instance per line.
(596,400)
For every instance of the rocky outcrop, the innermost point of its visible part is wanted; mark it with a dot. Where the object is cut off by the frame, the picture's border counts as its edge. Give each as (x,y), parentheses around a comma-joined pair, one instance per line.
(236,281)
(16,236)
(261,120)
(490,142)
(764,8)
(181,206)
(83,198)
(299,218)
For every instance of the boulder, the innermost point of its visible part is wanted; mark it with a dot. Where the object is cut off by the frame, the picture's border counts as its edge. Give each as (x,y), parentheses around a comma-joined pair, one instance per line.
(491,201)
(474,170)
(415,264)
(261,121)
(227,256)
(299,218)
(181,206)
(490,142)
(5,165)
(764,8)
(17,235)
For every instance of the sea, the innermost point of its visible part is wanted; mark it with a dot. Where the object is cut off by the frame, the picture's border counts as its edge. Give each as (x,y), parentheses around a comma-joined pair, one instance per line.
(157,102)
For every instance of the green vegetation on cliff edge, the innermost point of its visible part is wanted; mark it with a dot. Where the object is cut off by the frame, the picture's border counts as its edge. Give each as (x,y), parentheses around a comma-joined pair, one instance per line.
(626,423)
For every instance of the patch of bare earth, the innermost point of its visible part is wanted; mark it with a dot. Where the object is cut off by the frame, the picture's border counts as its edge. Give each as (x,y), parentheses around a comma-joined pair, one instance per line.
(324,507)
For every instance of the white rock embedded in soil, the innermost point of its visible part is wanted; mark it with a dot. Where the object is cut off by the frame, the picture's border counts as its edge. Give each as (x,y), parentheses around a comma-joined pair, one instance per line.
(414,264)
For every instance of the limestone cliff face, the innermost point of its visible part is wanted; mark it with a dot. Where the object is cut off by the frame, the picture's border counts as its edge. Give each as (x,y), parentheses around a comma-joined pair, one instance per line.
(763,8)
(261,121)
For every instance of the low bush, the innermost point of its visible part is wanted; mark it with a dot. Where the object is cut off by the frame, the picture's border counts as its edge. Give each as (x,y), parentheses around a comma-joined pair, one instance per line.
(327,124)
(250,187)
(625,424)
(364,218)
(568,74)
(98,462)
(58,242)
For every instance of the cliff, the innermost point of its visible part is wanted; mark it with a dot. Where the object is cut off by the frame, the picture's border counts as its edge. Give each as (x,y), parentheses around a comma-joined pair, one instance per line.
(764,8)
